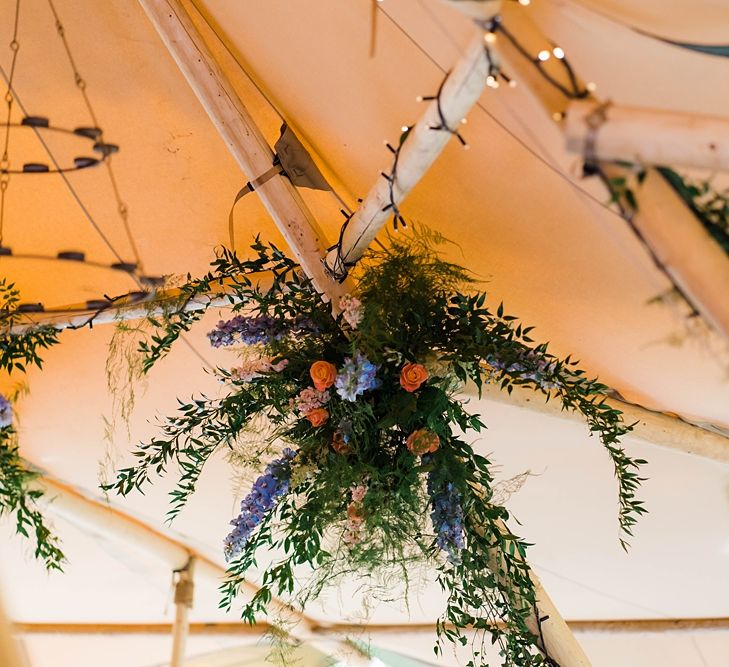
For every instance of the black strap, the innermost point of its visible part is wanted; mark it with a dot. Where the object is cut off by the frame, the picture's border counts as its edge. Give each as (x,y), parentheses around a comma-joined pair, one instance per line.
(250,187)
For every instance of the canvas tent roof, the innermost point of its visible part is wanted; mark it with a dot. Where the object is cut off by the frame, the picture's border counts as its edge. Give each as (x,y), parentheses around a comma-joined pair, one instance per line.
(558,259)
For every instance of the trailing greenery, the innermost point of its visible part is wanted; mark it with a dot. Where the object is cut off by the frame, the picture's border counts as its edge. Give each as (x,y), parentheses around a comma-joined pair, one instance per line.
(379,479)
(17,352)
(709,205)
(18,496)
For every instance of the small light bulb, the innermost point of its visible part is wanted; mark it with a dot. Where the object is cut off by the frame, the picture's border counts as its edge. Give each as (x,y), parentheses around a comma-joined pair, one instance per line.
(489,37)
(543,55)
(525,3)
(464,121)
(419,98)
(491,81)
(512,83)
(404,128)
(558,53)
(591,86)
(558,116)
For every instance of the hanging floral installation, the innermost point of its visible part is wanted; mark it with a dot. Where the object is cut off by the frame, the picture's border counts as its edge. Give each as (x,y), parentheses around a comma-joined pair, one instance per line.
(358,428)
(19,498)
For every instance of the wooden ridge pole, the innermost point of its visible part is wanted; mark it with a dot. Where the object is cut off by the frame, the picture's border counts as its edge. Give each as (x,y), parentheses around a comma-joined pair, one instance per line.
(243,138)
(460,91)
(648,136)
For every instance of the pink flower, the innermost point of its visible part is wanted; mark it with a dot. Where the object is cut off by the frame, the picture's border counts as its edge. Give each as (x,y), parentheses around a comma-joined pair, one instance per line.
(254,367)
(351,310)
(358,493)
(309,399)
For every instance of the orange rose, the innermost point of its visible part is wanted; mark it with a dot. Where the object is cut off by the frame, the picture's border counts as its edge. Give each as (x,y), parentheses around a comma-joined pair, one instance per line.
(318,416)
(323,374)
(339,445)
(422,442)
(412,376)
(354,513)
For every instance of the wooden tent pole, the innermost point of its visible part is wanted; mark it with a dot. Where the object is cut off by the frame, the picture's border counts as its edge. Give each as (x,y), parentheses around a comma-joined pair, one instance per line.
(184,589)
(107,522)
(460,91)
(243,138)
(9,654)
(648,136)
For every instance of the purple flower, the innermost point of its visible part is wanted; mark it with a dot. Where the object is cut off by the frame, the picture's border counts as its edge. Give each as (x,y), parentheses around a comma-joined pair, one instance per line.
(6,412)
(447,517)
(530,366)
(267,489)
(257,329)
(356,376)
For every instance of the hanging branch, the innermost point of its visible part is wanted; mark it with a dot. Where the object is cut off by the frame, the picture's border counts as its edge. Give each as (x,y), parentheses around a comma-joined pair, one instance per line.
(18,496)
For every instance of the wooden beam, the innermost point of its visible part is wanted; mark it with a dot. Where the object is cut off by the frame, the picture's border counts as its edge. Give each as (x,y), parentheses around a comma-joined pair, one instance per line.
(695,261)
(613,626)
(104,520)
(460,92)
(243,138)
(656,428)
(183,603)
(134,306)
(9,649)
(648,136)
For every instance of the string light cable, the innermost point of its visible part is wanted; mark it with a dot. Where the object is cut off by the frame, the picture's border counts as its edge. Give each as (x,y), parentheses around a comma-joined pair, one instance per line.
(574,92)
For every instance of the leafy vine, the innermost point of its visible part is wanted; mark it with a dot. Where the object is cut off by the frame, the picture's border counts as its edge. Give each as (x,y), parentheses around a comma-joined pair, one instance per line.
(375,476)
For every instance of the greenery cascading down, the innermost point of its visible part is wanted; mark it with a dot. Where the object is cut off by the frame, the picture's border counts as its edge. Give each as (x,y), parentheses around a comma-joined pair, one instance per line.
(19,497)
(357,427)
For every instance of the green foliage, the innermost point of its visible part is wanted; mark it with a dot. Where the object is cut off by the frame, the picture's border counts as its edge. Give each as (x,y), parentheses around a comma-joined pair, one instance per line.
(708,204)
(18,496)
(17,352)
(412,310)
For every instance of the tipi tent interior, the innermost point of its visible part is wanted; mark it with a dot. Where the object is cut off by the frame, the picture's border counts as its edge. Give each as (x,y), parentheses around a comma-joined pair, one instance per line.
(555,194)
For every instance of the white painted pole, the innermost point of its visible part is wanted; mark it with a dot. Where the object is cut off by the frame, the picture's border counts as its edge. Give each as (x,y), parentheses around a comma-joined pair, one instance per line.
(649,136)
(243,138)
(460,92)
(136,306)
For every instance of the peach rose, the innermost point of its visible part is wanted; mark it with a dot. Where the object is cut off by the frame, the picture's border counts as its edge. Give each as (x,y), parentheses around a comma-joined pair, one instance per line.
(422,442)
(339,445)
(318,416)
(412,376)
(323,374)
(354,513)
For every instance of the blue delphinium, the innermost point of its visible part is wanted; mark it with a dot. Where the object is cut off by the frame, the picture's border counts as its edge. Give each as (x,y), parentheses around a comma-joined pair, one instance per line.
(447,517)
(531,367)
(267,489)
(356,376)
(6,412)
(250,330)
